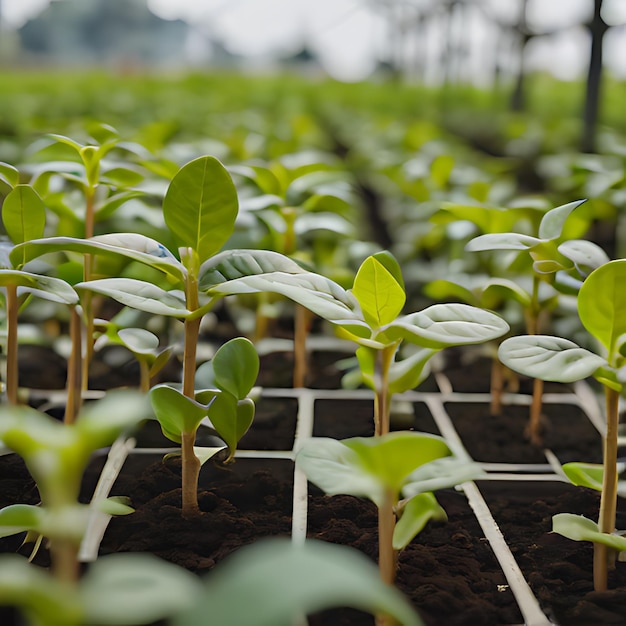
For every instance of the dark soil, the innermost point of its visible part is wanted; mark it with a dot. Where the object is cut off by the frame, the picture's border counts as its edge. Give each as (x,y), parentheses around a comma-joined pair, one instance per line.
(558,570)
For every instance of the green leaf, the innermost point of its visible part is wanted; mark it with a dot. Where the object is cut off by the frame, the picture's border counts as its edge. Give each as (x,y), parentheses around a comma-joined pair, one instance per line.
(33,590)
(134,589)
(585,255)
(368,466)
(45,287)
(499,290)
(139,340)
(579,528)
(17,518)
(443,325)
(232,264)
(379,294)
(115,505)
(176,412)
(552,223)
(130,245)
(409,372)
(416,513)
(91,158)
(585,474)
(23,214)
(9,174)
(391,264)
(602,305)
(200,206)
(440,170)
(549,358)
(138,294)
(281,580)
(236,367)
(230,418)
(501,241)
(441,289)
(441,473)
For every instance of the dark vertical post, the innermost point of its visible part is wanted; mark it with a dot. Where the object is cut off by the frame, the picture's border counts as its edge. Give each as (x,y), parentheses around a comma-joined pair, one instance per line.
(597,27)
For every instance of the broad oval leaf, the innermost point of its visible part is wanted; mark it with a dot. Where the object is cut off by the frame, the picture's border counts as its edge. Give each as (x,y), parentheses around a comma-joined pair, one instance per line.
(138,294)
(585,474)
(378,292)
(549,358)
(139,340)
(602,305)
(232,264)
(409,372)
(134,589)
(443,325)
(200,206)
(236,367)
(580,528)
(176,412)
(231,419)
(416,513)
(585,255)
(23,214)
(46,287)
(441,473)
(271,572)
(17,518)
(9,174)
(552,223)
(501,241)
(133,246)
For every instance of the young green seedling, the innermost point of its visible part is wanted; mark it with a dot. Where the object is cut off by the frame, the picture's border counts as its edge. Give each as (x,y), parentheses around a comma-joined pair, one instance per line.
(602,311)
(56,455)
(369,315)
(550,255)
(24,218)
(228,379)
(393,471)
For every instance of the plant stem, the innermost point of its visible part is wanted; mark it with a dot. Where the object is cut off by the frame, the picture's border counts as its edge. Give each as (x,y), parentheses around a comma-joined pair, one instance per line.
(387,556)
(144,376)
(191,463)
(11,357)
(382,399)
(74,366)
(534,422)
(64,558)
(301,330)
(497,386)
(603,556)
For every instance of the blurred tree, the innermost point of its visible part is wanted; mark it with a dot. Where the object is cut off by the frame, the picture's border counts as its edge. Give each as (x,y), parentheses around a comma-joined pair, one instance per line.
(103,31)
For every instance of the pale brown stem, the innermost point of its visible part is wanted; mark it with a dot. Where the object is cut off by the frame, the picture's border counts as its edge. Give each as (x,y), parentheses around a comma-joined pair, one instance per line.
(300,356)
(382,399)
(64,560)
(603,556)
(497,386)
(387,556)
(74,366)
(144,376)
(191,473)
(534,422)
(12,307)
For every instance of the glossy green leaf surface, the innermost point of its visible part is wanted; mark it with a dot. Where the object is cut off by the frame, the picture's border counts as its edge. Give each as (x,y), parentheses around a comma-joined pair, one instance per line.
(236,367)
(602,305)
(379,294)
(580,528)
(367,467)
(409,372)
(176,412)
(281,580)
(585,474)
(201,205)
(139,340)
(45,287)
(23,214)
(501,241)
(138,294)
(442,325)
(416,513)
(9,174)
(552,223)
(549,358)
(231,418)
(441,473)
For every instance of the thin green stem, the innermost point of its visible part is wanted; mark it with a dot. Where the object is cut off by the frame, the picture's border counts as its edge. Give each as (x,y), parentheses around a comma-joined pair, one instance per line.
(382,399)
(301,330)
(12,307)
(603,556)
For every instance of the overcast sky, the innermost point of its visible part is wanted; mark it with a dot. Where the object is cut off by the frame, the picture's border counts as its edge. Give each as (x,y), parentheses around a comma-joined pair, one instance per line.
(349,36)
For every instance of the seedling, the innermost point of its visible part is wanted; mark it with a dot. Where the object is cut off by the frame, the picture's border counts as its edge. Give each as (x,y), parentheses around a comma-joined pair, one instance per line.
(224,401)
(24,218)
(56,455)
(369,315)
(398,472)
(550,255)
(601,308)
